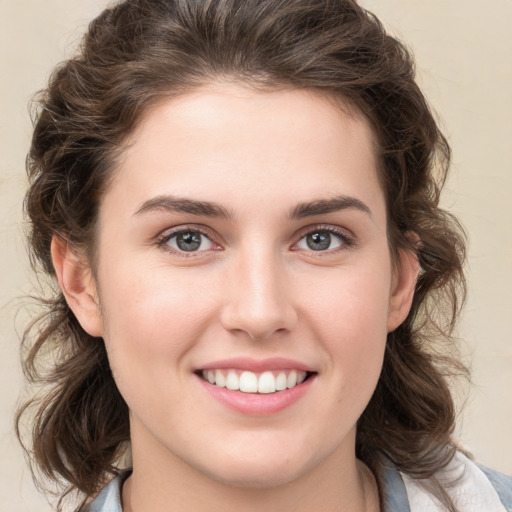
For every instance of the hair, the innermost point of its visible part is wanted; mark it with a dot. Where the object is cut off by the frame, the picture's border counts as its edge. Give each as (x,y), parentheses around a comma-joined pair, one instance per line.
(140,52)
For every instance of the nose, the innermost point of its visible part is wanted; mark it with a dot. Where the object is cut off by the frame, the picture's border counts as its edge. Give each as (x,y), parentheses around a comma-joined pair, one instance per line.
(259,301)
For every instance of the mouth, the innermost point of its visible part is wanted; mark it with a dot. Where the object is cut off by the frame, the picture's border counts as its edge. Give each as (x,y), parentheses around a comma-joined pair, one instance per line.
(266,382)
(257,387)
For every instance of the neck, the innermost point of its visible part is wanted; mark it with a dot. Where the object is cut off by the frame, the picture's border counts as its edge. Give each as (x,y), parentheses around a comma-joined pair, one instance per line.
(161,481)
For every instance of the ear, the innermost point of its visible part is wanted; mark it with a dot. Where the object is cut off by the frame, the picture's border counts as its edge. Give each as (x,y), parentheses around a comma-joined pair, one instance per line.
(405,275)
(77,284)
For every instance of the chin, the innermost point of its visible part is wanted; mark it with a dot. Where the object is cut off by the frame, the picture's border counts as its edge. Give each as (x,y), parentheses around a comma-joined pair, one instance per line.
(261,469)
(263,476)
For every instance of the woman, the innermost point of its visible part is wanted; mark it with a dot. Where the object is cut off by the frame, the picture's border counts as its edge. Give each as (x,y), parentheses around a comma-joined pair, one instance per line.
(239,202)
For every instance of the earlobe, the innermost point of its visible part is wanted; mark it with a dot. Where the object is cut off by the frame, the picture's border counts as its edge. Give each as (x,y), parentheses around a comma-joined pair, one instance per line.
(404,284)
(77,284)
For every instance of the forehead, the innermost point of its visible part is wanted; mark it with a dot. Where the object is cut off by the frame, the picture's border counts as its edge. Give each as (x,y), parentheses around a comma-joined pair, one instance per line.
(285,114)
(233,141)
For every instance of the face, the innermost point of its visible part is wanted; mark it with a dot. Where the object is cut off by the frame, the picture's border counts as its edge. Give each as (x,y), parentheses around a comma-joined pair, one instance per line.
(245,283)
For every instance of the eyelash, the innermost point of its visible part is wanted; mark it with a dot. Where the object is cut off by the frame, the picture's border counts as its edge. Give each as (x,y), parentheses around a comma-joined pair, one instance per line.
(164,239)
(346,239)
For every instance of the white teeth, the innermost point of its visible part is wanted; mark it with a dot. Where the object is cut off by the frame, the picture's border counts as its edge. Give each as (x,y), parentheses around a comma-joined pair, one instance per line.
(266,383)
(232,381)
(301,377)
(291,381)
(281,381)
(219,379)
(250,382)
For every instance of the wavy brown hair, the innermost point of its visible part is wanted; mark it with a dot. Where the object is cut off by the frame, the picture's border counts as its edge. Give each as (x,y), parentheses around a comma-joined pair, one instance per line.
(139,52)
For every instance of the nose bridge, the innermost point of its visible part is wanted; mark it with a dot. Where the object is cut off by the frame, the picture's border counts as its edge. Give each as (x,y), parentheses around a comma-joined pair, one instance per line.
(259,303)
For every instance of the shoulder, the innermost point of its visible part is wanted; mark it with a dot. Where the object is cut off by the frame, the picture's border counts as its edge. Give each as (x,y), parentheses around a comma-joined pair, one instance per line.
(472,487)
(109,499)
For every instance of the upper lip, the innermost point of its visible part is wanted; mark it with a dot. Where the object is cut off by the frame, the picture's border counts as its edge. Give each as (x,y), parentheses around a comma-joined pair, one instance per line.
(257,365)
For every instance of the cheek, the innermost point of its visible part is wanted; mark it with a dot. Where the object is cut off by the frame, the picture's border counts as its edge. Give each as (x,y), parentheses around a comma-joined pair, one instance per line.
(152,301)
(349,316)
(150,326)
(352,305)
(151,322)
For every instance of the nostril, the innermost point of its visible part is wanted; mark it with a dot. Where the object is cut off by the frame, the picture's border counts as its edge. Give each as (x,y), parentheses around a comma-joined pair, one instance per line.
(258,325)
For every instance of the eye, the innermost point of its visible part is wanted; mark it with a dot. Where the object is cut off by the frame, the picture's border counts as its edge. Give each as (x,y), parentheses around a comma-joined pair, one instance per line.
(188,240)
(323,240)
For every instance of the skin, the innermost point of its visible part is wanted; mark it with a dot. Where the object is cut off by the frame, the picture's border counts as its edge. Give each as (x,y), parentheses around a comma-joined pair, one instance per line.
(254,289)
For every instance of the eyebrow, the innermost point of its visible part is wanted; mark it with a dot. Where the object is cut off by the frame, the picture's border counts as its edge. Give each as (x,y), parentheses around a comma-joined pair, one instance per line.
(174,204)
(180,205)
(324,206)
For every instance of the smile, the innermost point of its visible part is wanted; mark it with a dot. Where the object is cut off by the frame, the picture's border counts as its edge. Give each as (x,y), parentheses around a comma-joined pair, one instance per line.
(266,382)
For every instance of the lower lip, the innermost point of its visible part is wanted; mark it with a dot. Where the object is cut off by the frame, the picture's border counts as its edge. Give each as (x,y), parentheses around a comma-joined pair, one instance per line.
(257,404)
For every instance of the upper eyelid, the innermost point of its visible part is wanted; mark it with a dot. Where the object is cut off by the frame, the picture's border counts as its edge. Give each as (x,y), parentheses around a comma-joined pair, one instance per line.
(165,236)
(168,233)
(346,236)
(337,230)
(213,236)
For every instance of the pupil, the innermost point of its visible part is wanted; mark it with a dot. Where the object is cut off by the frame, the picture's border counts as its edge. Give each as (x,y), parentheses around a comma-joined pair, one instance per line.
(319,241)
(188,241)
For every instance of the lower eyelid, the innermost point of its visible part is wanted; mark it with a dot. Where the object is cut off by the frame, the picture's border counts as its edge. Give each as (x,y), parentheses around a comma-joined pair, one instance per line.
(342,236)
(201,235)
(345,240)
(164,239)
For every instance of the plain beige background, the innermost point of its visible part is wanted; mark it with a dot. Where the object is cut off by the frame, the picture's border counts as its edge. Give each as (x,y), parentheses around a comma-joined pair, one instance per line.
(463,50)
